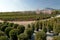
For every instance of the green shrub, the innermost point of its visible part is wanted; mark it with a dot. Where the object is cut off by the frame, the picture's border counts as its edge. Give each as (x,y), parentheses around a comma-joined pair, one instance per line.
(7,30)
(13,34)
(4,38)
(40,36)
(15,25)
(56,38)
(2,33)
(29,32)
(21,29)
(23,36)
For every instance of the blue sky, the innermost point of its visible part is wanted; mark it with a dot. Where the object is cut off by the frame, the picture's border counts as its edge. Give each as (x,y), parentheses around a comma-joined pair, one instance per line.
(23,5)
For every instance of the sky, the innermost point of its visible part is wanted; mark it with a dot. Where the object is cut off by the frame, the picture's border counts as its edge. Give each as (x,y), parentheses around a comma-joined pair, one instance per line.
(26,5)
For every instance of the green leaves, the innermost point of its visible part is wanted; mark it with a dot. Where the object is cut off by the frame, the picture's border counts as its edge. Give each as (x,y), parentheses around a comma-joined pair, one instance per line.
(23,36)
(13,34)
(4,38)
(29,32)
(40,36)
(2,33)
(7,30)
(21,29)
(56,38)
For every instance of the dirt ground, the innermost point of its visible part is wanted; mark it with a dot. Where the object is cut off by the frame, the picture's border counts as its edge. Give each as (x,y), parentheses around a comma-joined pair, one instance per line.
(25,23)
(22,22)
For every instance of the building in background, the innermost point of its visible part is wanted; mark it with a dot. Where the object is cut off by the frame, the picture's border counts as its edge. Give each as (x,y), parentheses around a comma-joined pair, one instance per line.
(37,11)
(45,11)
